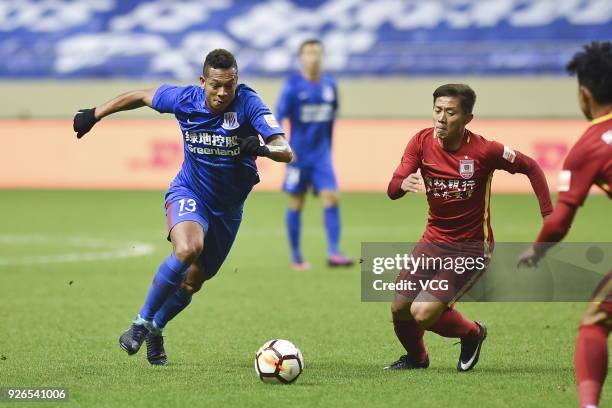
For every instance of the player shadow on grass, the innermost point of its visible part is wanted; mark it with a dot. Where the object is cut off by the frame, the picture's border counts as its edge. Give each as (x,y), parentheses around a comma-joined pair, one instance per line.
(514,370)
(368,371)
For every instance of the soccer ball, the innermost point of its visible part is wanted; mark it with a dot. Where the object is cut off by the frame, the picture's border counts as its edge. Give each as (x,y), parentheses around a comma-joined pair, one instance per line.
(278,361)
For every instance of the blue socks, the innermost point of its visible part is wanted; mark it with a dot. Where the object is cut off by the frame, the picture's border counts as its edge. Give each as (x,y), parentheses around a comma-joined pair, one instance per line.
(166,281)
(173,306)
(332,228)
(331,217)
(294,224)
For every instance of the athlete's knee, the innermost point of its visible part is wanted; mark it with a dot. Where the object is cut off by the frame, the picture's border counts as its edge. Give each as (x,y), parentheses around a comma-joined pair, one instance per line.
(192,287)
(189,250)
(296,207)
(330,198)
(296,202)
(194,279)
(400,310)
(423,314)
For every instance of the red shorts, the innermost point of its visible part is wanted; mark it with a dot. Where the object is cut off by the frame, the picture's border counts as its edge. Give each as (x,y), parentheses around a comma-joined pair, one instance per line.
(603,294)
(445,271)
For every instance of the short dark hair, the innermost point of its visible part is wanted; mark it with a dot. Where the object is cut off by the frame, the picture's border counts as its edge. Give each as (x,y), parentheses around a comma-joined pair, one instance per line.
(593,66)
(219,58)
(466,95)
(310,41)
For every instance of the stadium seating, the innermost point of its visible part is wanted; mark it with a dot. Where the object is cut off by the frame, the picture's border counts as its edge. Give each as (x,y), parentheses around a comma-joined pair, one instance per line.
(153,39)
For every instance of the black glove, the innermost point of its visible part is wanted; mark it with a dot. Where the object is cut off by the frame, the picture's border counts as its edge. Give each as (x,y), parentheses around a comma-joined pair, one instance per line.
(83,121)
(250,146)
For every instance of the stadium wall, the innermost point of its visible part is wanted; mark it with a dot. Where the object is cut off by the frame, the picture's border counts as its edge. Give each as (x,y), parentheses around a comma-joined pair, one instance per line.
(146,154)
(142,150)
(367,97)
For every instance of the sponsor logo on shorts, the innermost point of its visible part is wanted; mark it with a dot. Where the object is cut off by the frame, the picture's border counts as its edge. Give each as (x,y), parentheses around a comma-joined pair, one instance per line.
(292,177)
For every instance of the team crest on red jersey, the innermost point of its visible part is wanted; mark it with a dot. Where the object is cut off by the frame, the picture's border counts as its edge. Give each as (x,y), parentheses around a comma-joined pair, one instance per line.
(466,168)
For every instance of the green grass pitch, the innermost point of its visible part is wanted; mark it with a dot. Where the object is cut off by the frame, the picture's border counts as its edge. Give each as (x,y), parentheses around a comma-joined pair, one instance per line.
(60,321)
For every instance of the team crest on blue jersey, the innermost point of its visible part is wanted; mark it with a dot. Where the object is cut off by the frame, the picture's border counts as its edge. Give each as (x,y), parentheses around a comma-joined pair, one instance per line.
(328,94)
(466,168)
(230,121)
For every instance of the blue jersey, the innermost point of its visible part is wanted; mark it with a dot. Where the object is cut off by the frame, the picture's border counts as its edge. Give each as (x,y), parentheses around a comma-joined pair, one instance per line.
(311,109)
(213,167)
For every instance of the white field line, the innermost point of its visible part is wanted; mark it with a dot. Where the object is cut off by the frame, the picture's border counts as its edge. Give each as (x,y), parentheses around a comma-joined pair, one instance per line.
(93,249)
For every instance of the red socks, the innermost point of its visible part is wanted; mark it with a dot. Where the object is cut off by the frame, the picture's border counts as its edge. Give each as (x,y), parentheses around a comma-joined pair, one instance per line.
(590,358)
(452,324)
(591,362)
(410,334)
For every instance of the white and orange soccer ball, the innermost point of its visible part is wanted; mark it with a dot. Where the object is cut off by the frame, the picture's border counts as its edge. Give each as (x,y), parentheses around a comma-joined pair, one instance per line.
(279,361)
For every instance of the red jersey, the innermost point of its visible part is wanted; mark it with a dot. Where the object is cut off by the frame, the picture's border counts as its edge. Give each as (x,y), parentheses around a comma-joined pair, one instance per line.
(588,162)
(458,184)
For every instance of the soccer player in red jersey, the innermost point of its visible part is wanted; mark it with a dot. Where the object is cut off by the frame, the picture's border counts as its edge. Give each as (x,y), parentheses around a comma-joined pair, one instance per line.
(456,167)
(588,162)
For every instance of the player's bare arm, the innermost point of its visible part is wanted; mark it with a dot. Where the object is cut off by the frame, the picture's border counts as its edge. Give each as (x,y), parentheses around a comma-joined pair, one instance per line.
(85,119)
(127,101)
(279,148)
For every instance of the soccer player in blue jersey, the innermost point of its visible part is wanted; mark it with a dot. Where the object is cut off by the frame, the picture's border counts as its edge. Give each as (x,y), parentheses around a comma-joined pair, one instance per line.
(220,121)
(309,100)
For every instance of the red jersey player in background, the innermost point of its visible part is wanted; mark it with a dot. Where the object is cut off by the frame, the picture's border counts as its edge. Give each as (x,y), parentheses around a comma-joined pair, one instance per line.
(456,166)
(588,162)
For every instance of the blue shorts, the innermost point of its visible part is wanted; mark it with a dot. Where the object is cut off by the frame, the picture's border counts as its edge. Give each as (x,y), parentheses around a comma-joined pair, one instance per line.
(220,230)
(320,177)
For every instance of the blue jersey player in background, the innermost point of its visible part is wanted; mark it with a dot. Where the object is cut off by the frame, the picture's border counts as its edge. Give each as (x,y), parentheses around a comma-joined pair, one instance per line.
(309,100)
(220,122)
